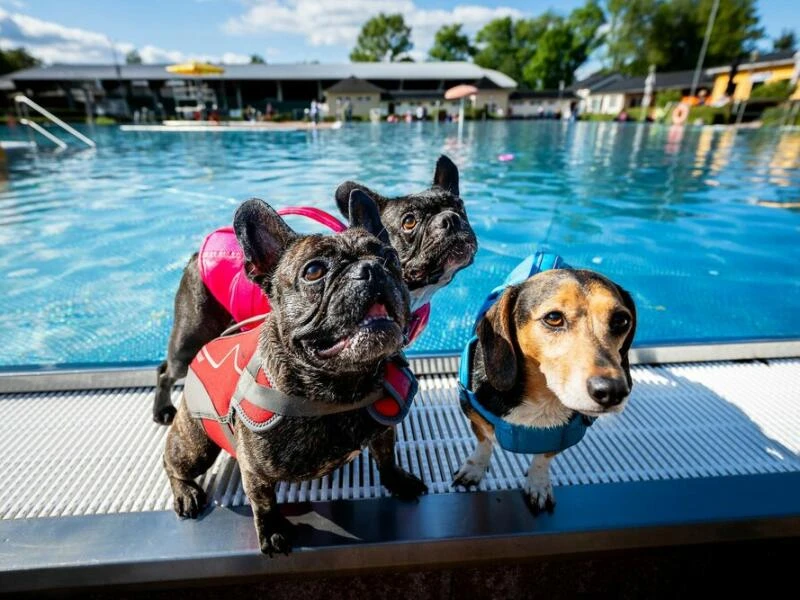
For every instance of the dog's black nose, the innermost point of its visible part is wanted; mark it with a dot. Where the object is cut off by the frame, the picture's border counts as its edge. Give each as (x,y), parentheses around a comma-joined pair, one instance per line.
(449,221)
(606,391)
(363,270)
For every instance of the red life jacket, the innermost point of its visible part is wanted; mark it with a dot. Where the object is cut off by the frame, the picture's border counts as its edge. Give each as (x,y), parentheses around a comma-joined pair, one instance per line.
(221,265)
(226,378)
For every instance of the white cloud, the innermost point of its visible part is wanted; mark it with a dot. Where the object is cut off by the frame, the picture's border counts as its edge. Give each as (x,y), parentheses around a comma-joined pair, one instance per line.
(334,22)
(52,42)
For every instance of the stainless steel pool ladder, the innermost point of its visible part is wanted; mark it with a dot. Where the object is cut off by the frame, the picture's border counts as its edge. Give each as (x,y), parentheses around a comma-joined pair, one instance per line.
(25,102)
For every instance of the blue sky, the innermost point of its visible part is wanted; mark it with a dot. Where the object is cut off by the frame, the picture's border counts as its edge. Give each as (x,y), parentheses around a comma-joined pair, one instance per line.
(280,30)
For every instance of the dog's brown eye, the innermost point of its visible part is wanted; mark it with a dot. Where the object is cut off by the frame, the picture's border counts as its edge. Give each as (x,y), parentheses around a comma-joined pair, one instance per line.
(409,222)
(620,322)
(314,271)
(554,319)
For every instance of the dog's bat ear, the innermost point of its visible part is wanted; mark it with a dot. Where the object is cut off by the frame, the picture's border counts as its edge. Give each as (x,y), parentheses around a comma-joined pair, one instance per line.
(343,197)
(496,334)
(627,300)
(364,213)
(446,175)
(263,236)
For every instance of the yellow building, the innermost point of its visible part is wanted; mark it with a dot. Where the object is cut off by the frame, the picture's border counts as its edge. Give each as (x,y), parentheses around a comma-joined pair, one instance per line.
(769,68)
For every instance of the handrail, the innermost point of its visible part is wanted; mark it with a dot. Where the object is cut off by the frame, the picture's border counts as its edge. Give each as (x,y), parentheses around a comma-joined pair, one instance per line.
(39,129)
(23,99)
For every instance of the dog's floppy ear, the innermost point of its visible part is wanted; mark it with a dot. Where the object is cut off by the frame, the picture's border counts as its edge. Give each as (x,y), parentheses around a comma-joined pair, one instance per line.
(627,300)
(263,236)
(446,175)
(343,197)
(364,213)
(496,334)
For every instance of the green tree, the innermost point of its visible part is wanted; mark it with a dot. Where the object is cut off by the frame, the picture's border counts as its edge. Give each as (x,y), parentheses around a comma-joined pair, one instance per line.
(451,44)
(257,59)
(630,25)
(736,29)
(669,33)
(544,50)
(15,59)
(133,58)
(564,46)
(383,38)
(785,41)
(498,47)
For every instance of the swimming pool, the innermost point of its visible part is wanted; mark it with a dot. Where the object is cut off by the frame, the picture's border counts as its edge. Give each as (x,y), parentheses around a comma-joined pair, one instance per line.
(694,222)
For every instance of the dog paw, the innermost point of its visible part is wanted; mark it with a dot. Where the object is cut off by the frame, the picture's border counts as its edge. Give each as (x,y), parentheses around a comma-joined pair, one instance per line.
(164,415)
(539,496)
(189,499)
(274,535)
(469,475)
(402,484)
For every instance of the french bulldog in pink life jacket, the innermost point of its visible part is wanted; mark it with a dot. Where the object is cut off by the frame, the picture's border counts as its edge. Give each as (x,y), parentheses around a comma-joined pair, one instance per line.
(429,231)
(306,391)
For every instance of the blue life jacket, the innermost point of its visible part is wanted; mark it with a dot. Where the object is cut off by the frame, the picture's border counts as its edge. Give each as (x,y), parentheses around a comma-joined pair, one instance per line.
(512,437)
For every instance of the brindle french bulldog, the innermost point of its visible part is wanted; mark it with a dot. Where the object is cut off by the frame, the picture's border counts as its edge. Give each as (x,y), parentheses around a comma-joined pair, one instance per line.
(429,231)
(339,309)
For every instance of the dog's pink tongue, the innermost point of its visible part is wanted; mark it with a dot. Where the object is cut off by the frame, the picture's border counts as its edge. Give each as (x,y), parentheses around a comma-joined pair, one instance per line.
(377,310)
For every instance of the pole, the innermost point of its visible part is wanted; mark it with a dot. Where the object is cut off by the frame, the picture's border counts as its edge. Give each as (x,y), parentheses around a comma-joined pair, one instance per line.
(461,119)
(647,99)
(712,17)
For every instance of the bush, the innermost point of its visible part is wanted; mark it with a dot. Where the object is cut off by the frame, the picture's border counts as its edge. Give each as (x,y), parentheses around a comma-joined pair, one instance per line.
(103,120)
(596,117)
(667,97)
(710,115)
(780,115)
(777,90)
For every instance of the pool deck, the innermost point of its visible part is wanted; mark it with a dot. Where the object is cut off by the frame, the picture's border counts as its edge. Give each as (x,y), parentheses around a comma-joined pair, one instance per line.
(708,451)
(231,126)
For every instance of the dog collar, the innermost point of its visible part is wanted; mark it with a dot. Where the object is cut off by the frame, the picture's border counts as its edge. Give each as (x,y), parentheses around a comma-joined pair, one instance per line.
(510,436)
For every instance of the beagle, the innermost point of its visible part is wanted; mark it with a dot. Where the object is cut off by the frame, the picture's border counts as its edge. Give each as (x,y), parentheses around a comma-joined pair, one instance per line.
(550,350)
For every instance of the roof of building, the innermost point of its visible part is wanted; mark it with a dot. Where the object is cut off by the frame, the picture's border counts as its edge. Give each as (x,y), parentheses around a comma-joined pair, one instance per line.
(354,85)
(485,83)
(595,81)
(782,58)
(398,70)
(541,94)
(414,95)
(664,81)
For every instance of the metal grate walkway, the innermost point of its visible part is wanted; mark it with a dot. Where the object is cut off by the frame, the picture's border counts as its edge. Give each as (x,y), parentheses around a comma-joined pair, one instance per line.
(95,452)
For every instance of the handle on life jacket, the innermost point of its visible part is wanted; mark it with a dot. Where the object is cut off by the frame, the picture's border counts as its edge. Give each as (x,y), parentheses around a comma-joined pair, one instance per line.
(315,214)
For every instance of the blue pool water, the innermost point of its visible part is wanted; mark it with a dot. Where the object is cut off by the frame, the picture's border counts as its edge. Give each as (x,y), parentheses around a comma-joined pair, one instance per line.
(697,226)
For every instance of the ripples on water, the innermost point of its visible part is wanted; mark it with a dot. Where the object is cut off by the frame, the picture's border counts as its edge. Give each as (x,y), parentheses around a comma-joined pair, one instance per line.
(695,223)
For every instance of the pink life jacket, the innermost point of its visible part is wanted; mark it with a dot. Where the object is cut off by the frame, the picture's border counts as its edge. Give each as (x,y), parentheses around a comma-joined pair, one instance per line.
(226,378)
(221,264)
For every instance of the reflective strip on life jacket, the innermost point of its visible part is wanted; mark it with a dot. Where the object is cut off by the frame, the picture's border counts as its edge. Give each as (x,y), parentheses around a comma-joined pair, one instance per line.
(227,377)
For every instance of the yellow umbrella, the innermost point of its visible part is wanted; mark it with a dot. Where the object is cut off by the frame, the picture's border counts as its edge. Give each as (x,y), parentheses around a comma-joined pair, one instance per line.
(195,68)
